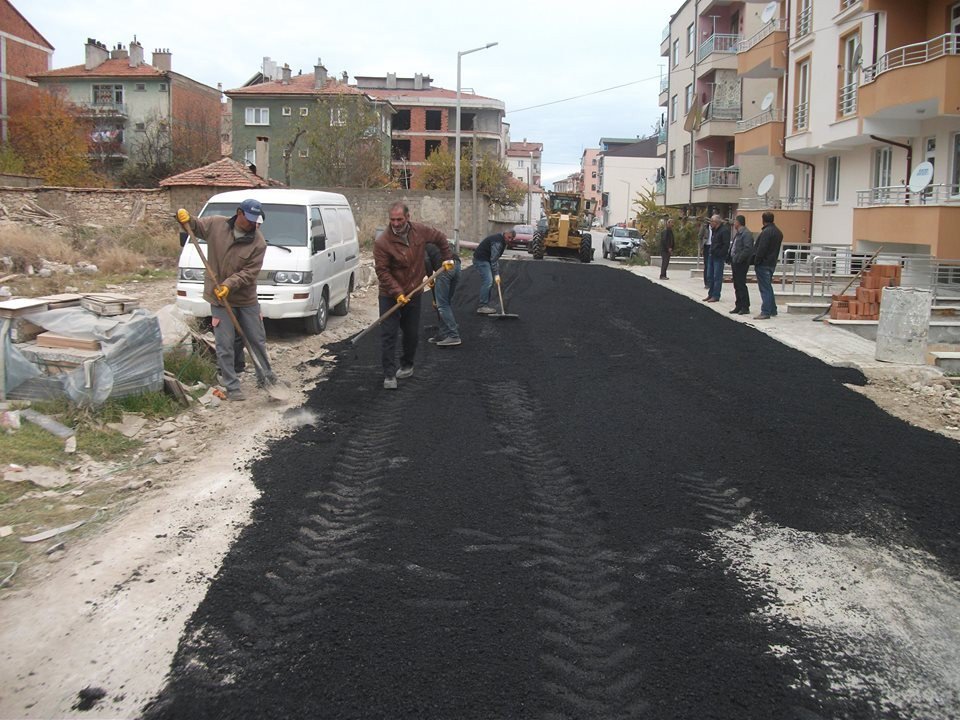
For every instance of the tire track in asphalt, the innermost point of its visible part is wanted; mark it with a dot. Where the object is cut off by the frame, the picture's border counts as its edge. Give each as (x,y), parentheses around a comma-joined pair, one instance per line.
(587,666)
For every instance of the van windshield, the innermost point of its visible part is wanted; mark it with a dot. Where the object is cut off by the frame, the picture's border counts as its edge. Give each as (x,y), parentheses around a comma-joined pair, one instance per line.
(283,224)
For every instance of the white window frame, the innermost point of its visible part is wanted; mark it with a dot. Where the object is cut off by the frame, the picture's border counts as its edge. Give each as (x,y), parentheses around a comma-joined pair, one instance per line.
(831,187)
(803,97)
(256,116)
(250,157)
(883,167)
(99,90)
(304,152)
(672,163)
(955,170)
(286,111)
(688,98)
(304,111)
(804,18)
(798,183)
(848,89)
(691,37)
(673,109)
(685,162)
(338,117)
(164,87)
(140,87)
(676,53)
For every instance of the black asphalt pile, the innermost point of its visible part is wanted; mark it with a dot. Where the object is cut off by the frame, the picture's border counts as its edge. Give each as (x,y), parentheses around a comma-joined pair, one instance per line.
(519,531)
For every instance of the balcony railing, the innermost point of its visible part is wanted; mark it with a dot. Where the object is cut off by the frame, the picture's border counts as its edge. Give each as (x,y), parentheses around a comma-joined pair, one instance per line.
(767,30)
(768,116)
(848,99)
(662,135)
(660,187)
(665,34)
(664,83)
(717,177)
(725,111)
(103,109)
(718,43)
(847,4)
(915,54)
(902,195)
(801,116)
(780,203)
(805,21)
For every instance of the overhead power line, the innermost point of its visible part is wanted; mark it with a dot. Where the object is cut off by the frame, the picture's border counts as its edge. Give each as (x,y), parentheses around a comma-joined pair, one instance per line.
(577,97)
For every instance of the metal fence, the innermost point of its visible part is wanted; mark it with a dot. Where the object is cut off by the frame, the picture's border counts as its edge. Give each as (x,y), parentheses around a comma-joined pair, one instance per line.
(801,116)
(778,203)
(718,43)
(778,25)
(717,177)
(915,54)
(942,194)
(768,116)
(848,99)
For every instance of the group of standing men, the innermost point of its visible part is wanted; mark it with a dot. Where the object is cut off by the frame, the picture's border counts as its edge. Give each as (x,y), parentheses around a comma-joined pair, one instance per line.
(741,251)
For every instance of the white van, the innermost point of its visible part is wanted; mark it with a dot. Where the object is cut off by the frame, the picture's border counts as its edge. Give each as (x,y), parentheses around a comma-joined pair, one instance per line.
(312,256)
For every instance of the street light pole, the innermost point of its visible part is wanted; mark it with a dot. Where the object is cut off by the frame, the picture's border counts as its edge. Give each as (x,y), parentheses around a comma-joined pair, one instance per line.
(456,161)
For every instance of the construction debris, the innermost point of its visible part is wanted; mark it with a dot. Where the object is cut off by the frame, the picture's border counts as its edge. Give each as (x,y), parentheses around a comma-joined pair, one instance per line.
(106,304)
(47,534)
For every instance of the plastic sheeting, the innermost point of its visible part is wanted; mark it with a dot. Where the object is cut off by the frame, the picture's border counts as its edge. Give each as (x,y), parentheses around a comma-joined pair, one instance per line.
(130,359)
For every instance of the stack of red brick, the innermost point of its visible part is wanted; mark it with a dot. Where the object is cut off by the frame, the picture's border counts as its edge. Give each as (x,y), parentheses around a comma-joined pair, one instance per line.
(865,305)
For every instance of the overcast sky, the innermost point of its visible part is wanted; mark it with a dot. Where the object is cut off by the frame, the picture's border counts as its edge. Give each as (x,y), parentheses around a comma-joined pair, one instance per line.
(547,51)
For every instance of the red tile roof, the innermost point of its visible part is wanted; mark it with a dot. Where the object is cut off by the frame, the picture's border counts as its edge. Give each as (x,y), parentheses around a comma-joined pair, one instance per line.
(524,148)
(119,67)
(298,85)
(222,173)
(437,92)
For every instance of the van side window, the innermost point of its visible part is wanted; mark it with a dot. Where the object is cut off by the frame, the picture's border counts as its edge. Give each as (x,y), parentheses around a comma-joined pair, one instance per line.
(348,230)
(318,237)
(334,236)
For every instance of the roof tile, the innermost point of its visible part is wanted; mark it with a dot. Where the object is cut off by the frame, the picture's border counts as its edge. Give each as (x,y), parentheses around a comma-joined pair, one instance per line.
(225,172)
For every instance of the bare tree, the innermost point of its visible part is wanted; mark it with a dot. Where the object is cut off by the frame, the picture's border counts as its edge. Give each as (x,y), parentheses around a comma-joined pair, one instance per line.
(346,146)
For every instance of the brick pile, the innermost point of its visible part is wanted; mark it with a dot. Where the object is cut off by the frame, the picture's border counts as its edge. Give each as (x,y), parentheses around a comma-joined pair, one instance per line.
(865,304)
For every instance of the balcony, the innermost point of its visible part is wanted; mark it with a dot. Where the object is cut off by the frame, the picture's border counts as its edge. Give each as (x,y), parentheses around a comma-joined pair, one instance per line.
(918,79)
(660,187)
(725,177)
(665,42)
(801,117)
(804,23)
(931,215)
(719,51)
(762,56)
(762,134)
(847,102)
(719,120)
(778,203)
(103,110)
(664,97)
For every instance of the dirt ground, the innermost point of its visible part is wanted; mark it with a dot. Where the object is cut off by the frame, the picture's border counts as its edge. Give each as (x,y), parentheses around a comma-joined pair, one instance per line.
(114,601)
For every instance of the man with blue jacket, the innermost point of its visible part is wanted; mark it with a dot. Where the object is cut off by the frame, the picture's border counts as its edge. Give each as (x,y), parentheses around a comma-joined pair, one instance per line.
(486,259)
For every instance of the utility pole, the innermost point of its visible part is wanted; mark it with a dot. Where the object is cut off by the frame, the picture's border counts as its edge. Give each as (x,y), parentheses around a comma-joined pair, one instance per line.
(473,185)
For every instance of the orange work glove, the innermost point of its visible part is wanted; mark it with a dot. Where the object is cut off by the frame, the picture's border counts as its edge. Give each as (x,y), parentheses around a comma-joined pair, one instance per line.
(221,291)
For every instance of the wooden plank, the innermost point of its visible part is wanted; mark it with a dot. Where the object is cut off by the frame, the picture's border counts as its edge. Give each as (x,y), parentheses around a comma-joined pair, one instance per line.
(21,306)
(49,339)
(61,300)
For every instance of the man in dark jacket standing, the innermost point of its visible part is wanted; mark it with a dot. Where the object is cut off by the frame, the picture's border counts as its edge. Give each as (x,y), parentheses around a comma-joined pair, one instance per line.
(767,253)
(398,256)
(719,245)
(741,255)
(235,251)
(667,245)
(486,260)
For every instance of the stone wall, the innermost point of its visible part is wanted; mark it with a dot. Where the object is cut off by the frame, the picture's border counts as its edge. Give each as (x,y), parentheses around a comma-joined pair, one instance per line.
(109,207)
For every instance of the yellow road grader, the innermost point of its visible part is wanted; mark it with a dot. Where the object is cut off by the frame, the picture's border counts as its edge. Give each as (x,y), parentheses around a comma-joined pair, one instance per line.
(568,217)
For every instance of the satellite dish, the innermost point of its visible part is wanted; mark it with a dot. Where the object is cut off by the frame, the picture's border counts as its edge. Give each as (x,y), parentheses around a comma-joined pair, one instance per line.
(921,176)
(857,55)
(767,102)
(764,187)
(769,11)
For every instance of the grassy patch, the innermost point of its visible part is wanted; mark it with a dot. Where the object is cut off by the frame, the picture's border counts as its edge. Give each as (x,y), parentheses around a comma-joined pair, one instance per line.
(190,367)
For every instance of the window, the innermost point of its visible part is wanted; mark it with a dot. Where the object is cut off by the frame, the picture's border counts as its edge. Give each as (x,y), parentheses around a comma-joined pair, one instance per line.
(798,183)
(108,94)
(250,157)
(686,159)
(140,87)
(848,77)
(804,17)
(304,112)
(401,121)
(673,109)
(688,98)
(338,117)
(593,187)
(257,116)
(285,111)
(400,149)
(593,162)
(163,87)
(955,173)
(430,147)
(519,163)
(593,174)
(691,38)
(831,191)
(433,120)
(676,53)
(801,110)
(141,127)
(882,167)
(673,162)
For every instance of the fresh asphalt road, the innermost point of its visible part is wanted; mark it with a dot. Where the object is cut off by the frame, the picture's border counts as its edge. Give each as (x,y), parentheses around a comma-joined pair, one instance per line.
(531,526)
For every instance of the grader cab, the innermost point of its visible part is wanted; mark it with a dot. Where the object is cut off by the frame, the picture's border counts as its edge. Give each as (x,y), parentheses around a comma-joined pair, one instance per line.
(568,222)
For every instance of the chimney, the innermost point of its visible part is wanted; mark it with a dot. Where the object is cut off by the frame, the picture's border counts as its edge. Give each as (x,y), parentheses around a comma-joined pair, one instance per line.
(391,81)
(345,79)
(319,75)
(162,59)
(262,155)
(136,53)
(286,74)
(118,53)
(418,81)
(96,54)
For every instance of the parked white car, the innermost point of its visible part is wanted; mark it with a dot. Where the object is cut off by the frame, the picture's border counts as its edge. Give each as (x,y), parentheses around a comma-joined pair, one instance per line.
(621,242)
(311,262)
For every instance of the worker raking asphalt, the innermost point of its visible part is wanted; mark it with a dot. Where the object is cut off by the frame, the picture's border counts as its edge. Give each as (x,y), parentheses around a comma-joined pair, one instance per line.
(530,526)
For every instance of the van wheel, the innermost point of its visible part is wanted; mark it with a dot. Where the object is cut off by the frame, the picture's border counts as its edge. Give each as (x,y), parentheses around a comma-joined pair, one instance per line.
(317,322)
(343,307)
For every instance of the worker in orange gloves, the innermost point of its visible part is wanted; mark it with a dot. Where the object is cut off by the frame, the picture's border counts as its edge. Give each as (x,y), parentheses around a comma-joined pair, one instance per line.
(235,251)
(398,260)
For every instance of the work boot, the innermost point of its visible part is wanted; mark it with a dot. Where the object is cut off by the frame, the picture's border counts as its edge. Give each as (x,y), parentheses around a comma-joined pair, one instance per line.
(389,383)
(486,310)
(236,395)
(435,339)
(448,342)
(405,371)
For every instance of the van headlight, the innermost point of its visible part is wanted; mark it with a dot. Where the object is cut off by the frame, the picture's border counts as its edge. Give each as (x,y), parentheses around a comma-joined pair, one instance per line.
(291,277)
(191,274)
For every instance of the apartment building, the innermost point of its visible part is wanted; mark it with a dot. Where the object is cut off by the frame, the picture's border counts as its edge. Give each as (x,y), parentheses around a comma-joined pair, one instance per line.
(625,171)
(129,102)
(871,91)
(589,171)
(704,98)
(523,161)
(23,52)
(426,120)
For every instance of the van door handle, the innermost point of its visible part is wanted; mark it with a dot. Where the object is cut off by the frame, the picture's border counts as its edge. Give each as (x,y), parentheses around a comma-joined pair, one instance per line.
(333,255)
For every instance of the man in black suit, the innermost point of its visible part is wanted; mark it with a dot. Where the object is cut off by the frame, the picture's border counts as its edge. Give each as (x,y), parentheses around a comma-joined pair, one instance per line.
(719,245)
(740,257)
(767,253)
